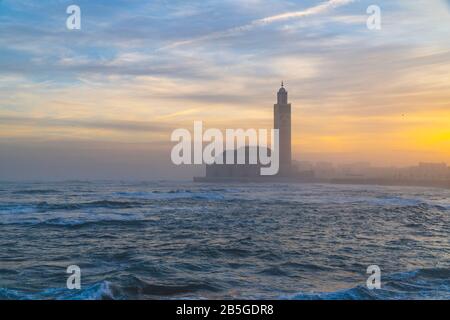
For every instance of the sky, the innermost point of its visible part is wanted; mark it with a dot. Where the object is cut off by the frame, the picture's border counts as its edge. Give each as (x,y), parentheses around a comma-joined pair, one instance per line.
(101,102)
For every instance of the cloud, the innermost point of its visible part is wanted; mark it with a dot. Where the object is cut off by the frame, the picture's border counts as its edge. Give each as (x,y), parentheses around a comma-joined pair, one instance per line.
(138,126)
(107,82)
(299,14)
(321,8)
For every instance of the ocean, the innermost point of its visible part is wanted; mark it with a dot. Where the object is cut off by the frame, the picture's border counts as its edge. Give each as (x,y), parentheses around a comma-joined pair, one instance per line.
(182,240)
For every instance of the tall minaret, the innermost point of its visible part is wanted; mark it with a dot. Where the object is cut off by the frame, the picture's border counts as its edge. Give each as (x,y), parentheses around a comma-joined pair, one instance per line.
(282,122)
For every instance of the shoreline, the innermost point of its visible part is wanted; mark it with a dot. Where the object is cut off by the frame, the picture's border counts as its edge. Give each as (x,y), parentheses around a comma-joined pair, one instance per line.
(335,181)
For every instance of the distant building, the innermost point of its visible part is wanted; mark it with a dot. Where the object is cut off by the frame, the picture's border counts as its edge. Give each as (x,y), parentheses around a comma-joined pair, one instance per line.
(428,171)
(424,174)
(323,170)
(235,170)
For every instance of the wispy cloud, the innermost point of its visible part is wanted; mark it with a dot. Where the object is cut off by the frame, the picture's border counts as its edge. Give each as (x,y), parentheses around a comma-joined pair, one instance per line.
(320,8)
(299,14)
(139,126)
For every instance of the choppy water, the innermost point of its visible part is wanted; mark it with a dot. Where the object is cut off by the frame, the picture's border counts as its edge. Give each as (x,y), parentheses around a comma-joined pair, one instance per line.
(183,240)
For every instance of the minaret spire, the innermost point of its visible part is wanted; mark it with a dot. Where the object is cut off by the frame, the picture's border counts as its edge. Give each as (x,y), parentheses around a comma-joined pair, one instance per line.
(282,122)
(282,96)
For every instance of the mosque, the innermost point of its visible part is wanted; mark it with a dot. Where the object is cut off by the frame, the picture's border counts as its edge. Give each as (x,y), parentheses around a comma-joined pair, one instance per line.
(251,172)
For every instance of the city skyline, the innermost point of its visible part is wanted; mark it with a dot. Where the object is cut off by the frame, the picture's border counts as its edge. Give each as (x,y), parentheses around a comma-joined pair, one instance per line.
(101,101)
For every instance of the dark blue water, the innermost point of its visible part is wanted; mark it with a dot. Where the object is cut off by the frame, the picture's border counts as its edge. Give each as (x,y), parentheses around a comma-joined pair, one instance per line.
(166,240)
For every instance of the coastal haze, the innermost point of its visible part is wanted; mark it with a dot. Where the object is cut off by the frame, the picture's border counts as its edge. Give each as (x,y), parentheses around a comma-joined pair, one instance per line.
(101,102)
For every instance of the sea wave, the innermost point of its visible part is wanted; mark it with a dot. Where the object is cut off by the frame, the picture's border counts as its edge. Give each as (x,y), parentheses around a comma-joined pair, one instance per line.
(44,206)
(432,283)
(410,202)
(109,204)
(36,191)
(130,288)
(186,240)
(173,194)
(429,284)
(97,291)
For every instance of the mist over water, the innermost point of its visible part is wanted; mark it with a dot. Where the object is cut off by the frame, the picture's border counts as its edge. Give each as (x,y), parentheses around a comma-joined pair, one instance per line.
(154,240)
